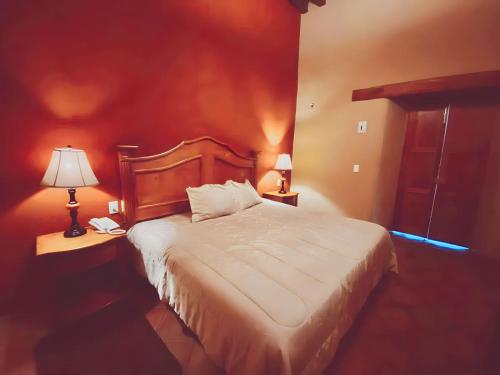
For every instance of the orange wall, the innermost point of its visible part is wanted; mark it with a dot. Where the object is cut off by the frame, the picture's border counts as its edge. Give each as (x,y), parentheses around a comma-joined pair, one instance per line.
(94,74)
(356,44)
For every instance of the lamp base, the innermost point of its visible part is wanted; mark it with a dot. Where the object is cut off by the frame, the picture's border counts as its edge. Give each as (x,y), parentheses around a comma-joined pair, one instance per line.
(283,180)
(75,231)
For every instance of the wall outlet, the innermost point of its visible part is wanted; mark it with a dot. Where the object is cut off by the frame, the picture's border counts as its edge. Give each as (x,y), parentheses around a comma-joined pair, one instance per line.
(355,168)
(113,207)
(362,127)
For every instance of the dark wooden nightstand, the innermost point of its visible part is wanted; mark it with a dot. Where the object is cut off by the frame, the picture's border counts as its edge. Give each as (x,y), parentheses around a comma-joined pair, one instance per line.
(289,197)
(88,272)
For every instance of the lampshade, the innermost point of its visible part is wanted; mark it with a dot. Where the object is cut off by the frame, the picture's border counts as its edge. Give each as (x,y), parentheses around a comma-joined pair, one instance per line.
(69,168)
(284,163)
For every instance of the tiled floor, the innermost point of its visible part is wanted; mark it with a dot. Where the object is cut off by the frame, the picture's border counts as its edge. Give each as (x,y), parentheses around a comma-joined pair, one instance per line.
(182,344)
(440,315)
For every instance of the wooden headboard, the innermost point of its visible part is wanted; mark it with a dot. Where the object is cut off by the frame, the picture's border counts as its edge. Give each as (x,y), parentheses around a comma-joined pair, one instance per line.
(155,185)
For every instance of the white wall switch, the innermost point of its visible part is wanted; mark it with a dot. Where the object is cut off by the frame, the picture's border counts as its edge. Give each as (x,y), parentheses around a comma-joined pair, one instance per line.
(355,168)
(362,127)
(113,207)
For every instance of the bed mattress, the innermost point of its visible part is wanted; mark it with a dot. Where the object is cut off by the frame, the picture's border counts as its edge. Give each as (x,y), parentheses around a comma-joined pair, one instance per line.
(270,289)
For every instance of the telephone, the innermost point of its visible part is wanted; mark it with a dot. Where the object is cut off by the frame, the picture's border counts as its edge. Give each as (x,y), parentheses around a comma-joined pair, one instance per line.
(106,225)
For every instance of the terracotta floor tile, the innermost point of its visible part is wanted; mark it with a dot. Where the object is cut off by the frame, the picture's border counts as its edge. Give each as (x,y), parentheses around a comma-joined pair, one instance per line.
(199,363)
(172,330)
(157,315)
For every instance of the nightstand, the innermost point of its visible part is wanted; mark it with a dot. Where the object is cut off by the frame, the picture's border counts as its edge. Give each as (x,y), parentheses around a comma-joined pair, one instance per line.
(87,273)
(290,198)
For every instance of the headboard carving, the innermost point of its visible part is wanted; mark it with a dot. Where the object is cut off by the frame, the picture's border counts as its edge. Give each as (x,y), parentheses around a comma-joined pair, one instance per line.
(155,185)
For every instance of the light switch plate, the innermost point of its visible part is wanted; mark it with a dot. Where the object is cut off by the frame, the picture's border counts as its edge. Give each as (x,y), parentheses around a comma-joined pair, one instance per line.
(113,207)
(362,126)
(355,168)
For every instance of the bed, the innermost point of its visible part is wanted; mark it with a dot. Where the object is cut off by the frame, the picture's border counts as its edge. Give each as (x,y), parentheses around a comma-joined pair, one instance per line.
(268,290)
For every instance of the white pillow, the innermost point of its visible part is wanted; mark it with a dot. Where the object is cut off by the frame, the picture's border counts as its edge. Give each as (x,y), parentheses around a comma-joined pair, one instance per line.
(211,200)
(245,193)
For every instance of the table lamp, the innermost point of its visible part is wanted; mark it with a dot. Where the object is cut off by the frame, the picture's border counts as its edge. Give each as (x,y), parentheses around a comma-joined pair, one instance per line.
(283,164)
(69,168)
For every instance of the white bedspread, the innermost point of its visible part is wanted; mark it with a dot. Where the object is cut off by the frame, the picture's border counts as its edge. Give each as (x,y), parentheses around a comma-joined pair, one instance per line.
(271,289)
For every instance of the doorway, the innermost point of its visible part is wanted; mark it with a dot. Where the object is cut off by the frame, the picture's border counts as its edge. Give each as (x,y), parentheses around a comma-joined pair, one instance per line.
(443,168)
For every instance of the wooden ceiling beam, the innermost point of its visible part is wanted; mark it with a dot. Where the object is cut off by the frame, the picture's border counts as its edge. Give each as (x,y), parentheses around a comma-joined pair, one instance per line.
(464,82)
(319,3)
(301,5)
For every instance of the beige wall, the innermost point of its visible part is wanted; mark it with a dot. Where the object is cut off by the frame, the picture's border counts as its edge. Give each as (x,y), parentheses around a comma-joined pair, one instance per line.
(351,44)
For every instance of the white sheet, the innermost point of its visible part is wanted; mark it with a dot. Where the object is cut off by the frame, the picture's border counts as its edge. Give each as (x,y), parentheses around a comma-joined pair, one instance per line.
(272,289)
(153,239)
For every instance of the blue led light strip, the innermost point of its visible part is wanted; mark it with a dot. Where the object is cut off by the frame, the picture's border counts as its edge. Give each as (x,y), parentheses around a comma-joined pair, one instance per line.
(444,245)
